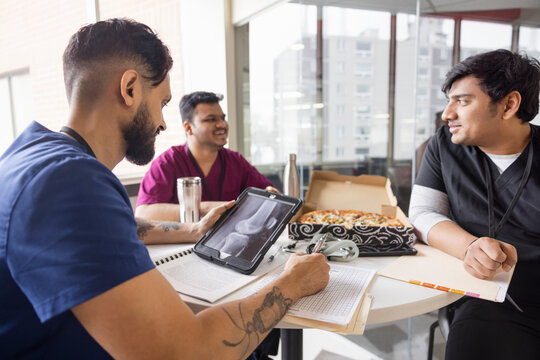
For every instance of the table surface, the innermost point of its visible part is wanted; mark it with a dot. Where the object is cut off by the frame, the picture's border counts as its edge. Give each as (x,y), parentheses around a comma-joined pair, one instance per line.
(393,299)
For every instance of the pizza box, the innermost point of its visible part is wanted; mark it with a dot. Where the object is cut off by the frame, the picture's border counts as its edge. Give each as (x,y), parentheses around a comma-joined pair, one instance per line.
(328,191)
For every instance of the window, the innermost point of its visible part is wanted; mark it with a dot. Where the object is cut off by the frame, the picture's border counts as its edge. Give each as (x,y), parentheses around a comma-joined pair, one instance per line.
(479,36)
(368,33)
(361,132)
(354,91)
(529,41)
(274,126)
(436,38)
(361,151)
(363,69)
(341,45)
(363,90)
(340,110)
(422,93)
(362,111)
(15,106)
(363,48)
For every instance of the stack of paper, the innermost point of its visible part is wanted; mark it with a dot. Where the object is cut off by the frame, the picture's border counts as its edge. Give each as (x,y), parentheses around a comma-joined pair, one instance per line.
(341,307)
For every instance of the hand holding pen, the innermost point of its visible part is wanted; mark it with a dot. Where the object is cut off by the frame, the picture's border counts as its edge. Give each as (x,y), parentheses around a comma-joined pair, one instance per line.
(320,243)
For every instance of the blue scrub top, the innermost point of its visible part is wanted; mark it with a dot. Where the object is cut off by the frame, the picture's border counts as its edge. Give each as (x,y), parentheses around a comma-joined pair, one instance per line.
(67,234)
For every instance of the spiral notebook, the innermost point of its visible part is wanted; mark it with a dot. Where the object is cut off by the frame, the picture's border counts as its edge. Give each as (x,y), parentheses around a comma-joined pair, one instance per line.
(201,279)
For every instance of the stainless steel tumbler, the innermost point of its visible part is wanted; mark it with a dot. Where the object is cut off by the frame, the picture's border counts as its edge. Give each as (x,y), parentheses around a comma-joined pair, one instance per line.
(189,195)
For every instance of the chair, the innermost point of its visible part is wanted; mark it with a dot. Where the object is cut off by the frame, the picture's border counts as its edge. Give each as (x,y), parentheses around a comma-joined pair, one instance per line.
(445,316)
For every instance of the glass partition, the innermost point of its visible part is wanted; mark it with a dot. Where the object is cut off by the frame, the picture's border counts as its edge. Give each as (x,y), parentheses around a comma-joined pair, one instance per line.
(529,41)
(283,109)
(355,84)
(354,90)
(481,36)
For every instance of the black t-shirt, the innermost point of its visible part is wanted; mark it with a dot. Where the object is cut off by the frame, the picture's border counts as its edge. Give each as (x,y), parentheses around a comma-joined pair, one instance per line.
(458,171)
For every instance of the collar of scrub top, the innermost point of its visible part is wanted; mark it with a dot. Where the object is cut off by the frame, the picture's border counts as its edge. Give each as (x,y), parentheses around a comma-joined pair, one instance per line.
(335,249)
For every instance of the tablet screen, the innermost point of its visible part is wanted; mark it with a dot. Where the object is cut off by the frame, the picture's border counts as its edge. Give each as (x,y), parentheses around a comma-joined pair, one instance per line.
(249,226)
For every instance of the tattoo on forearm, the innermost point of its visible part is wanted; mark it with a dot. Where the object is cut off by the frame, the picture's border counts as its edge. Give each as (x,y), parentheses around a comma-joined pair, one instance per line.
(142,227)
(274,306)
(168,225)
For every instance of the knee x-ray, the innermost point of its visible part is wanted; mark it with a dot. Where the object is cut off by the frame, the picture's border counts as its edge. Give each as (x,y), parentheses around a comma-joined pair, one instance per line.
(250,226)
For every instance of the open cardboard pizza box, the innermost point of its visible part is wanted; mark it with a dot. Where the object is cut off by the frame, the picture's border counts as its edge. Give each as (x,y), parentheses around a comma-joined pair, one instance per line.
(329,190)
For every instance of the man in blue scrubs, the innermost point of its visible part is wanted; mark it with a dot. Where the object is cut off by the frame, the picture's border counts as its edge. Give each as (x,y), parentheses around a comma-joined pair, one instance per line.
(76,281)
(477,198)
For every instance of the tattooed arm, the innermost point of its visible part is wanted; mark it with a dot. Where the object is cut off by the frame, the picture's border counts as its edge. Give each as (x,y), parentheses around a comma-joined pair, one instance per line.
(167,232)
(170,212)
(145,318)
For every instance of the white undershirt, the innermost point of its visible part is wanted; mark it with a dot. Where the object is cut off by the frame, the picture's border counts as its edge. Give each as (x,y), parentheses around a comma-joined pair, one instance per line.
(503,161)
(429,206)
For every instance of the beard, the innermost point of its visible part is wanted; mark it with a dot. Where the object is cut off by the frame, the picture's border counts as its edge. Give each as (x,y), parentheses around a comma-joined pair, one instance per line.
(140,137)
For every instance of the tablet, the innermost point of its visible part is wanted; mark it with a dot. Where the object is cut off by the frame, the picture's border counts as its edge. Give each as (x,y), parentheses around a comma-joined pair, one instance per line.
(244,233)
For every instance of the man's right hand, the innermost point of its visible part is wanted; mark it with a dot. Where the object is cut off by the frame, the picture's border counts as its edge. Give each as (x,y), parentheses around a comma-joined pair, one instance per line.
(486,255)
(306,274)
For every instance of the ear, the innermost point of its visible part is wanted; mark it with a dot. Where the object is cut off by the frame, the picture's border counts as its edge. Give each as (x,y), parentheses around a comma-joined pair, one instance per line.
(511,103)
(130,87)
(187,128)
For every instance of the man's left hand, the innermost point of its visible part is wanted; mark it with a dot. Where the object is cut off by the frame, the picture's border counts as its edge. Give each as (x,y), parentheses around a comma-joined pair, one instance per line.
(210,219)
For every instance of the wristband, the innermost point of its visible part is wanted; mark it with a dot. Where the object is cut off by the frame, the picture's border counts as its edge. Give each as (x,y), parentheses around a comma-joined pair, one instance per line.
(467,249)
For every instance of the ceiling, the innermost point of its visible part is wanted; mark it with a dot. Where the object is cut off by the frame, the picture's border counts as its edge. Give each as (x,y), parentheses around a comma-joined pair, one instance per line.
(530,9)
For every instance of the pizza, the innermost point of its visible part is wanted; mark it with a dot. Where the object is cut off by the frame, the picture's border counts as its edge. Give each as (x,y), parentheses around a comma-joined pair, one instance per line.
(348,218)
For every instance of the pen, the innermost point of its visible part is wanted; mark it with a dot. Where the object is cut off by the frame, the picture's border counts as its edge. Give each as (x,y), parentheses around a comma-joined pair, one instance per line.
(271,258)
(319,244)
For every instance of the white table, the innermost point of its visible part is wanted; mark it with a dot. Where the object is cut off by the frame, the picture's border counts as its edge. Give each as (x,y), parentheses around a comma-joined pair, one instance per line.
(393,299)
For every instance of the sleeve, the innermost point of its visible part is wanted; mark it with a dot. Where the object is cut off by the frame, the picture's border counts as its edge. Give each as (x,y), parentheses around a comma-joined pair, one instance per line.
(159,183)
(428,207)
(429,201)
(253,178)
(73,236)
(430,173)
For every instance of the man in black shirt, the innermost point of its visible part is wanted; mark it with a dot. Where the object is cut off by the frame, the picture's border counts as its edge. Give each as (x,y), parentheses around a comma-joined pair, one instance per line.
(476,198)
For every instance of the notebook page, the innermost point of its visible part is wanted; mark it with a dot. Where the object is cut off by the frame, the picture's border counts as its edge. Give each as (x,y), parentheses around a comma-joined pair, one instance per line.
(199,278)
(335,304)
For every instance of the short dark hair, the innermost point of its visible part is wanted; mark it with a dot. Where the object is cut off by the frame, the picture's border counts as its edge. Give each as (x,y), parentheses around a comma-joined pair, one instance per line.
(115,40)
(501,72)
(189,102)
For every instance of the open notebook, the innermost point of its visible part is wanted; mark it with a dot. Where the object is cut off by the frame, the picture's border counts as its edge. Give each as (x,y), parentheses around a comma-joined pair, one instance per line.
(435,269)
(199,278)
(341,307)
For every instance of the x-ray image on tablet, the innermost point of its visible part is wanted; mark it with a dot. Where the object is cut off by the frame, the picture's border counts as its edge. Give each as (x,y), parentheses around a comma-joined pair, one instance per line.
(243,235)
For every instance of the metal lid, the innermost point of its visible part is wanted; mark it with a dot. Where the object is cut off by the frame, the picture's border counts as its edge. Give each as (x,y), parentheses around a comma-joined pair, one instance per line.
(188,180)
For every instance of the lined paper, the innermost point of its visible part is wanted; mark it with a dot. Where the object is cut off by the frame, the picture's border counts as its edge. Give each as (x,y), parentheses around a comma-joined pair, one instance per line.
(335,304)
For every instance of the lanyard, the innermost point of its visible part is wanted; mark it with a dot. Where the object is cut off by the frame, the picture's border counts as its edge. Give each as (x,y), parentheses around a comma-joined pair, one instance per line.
(201,175)
(78,138)
(493,230)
